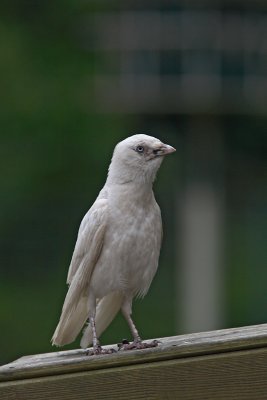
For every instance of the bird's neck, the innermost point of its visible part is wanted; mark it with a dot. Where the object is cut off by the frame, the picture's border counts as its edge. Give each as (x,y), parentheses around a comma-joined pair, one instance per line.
(129,183)
(135,175)
(130,193)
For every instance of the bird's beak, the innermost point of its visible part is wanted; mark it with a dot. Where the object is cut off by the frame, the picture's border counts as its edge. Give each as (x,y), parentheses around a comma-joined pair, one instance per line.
(167,149)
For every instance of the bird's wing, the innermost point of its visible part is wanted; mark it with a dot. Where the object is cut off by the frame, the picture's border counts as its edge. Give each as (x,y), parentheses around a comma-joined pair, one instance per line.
(89,241)
(86,253)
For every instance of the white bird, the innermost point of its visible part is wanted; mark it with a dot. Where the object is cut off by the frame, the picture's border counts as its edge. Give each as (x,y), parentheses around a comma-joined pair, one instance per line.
(117,250)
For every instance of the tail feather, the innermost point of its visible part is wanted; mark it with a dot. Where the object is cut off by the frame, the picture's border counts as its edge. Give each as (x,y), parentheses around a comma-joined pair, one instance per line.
(106,310)
(70,325)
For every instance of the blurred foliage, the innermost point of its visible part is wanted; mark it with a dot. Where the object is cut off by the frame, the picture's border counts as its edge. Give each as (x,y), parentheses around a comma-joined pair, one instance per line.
(54,154)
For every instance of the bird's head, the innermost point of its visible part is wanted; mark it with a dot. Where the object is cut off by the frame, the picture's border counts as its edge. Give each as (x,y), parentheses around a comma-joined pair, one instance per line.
(138,158)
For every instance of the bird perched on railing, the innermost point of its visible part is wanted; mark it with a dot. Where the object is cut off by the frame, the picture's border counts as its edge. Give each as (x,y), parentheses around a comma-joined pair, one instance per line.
(117,250)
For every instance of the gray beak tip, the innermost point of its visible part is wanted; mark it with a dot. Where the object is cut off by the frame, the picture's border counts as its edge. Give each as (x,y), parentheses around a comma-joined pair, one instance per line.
(167,149)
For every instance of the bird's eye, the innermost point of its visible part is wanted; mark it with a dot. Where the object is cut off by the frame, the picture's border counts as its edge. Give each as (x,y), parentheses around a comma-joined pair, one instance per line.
(140,149)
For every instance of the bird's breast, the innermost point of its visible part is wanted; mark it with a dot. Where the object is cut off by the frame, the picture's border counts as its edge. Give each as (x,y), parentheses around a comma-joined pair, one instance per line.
(130,253)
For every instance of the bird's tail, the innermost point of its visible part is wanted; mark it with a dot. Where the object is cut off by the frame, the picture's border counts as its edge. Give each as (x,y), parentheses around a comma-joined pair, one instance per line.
(106,310)
(71,323)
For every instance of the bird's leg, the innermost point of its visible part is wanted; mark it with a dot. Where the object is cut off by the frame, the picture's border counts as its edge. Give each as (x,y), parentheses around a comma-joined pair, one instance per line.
(137,342)
(96,344)
(97,349)
(132,327)
(92,307)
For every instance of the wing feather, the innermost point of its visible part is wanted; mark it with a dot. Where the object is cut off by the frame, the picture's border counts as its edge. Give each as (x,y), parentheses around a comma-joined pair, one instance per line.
(88,236)
(86,253)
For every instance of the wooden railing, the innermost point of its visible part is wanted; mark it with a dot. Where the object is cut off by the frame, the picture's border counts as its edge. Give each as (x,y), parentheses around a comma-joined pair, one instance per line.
(224,364)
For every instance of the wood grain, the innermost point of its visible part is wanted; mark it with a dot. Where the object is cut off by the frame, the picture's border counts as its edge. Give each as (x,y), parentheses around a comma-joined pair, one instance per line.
(225,364)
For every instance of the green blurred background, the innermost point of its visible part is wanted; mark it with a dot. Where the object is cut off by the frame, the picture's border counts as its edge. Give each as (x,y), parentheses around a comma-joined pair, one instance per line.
(76,77)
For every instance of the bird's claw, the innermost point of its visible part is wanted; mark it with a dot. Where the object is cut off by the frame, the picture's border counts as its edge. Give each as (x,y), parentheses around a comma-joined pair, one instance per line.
(96,351)
(136,345)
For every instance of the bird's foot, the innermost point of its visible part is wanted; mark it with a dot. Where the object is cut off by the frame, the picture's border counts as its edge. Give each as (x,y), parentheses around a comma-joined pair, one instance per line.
(98,350)
(136,345)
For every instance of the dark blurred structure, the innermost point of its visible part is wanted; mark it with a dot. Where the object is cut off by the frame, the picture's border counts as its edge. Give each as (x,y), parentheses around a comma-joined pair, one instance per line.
(180,58)
(79,76)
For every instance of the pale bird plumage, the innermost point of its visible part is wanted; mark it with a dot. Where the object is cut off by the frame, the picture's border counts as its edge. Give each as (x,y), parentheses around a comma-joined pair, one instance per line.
(117,250)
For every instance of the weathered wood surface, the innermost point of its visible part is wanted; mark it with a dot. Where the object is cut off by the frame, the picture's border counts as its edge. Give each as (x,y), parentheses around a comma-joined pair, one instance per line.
(224,364)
